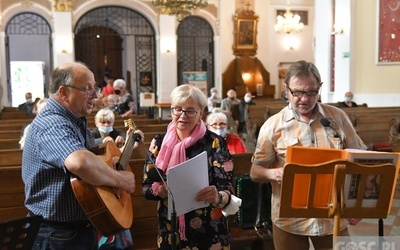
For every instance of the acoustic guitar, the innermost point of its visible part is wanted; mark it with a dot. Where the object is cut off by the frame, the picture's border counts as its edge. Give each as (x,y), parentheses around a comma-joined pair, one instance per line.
(108,209)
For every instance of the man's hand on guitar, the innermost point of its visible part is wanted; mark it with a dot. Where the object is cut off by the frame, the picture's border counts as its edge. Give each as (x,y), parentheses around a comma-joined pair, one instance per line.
(130,132)
(132,127)
(140,133)
(127,181)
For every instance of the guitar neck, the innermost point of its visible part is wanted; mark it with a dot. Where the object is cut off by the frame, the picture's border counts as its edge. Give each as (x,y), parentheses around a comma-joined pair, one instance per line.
(128,148)
(126,154)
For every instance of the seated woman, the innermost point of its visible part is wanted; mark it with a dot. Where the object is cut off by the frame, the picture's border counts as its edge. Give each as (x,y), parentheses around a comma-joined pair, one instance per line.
(124,102)
(109,102)
(348,101)
(217,122)
(104,131)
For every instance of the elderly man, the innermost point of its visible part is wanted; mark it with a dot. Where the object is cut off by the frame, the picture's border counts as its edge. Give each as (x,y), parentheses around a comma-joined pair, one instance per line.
(28,105)
(56,148)
(299,124)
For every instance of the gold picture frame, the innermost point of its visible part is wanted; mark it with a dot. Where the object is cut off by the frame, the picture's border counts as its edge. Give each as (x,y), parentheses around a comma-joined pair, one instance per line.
(245,34)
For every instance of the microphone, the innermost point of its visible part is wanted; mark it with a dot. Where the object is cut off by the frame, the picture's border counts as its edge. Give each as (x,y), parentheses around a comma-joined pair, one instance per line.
(157,175)
(326,123)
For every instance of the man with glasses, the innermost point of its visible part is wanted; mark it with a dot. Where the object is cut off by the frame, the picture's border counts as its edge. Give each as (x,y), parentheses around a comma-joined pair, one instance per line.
(298,124)
(56,148)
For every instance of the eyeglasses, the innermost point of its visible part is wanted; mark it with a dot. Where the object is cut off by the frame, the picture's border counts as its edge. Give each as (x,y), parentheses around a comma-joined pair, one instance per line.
(88,92)
(179,112)
(221,124)
(299,93)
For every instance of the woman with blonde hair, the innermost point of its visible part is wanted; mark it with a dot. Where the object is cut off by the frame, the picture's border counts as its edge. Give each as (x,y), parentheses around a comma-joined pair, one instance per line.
(187,137)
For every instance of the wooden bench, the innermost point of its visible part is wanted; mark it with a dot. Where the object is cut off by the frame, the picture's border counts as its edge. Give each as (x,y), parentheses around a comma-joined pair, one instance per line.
(162,128)
(371,123)
(13,143)
(6,125)
(13,113)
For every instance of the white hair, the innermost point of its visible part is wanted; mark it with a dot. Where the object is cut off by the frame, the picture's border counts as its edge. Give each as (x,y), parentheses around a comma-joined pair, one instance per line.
(119,83)
(104,114)
(216,114)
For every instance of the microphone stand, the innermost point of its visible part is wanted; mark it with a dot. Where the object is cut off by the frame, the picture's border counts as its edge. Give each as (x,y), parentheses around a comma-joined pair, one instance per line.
(173,212)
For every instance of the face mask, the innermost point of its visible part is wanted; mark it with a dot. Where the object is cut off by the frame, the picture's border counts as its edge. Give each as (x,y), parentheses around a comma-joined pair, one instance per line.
(247,99)
(117,91)
(105,130)
(220,131)
(347,99)
(29,100)
(213,95)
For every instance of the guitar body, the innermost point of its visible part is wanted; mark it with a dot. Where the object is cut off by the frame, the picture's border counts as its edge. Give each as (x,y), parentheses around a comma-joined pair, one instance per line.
(109,210)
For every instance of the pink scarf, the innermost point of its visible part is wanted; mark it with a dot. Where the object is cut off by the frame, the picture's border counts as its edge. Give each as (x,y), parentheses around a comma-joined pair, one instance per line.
(173,152)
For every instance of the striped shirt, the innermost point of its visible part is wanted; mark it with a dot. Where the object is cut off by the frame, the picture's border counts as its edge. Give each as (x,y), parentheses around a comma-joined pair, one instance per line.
(285,129)
(53,135)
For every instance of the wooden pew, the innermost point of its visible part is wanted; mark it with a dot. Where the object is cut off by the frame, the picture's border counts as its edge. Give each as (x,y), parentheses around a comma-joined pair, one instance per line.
(161,128)
(13,143)
(10,157)
(11,193)
(10,134)
(371,123)
(6,125)
(9,143)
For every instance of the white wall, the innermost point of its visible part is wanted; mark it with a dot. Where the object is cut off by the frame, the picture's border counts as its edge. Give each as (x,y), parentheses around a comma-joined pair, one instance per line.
(274,48)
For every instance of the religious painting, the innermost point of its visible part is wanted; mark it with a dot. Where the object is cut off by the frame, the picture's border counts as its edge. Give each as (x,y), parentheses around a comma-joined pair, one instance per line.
(245,34)
(388,32)
(145,78)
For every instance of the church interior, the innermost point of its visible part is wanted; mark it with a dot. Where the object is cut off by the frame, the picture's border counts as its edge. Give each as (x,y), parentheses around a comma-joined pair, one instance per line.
(223,44)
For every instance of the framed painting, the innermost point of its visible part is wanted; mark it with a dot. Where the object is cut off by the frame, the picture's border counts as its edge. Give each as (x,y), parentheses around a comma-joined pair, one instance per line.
(388,44)
(245,42)
(145,78)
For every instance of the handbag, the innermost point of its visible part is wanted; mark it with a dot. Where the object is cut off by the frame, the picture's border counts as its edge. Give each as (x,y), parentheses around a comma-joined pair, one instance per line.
(255,211)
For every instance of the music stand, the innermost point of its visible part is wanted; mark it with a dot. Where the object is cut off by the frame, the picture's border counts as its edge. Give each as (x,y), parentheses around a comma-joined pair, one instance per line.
(339,201)
(20,233)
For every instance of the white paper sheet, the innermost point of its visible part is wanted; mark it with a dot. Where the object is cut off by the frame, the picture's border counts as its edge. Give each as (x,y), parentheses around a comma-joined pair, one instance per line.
(185,180)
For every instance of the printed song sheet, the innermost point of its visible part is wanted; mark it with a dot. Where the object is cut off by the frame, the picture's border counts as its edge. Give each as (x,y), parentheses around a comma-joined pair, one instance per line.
(185,180)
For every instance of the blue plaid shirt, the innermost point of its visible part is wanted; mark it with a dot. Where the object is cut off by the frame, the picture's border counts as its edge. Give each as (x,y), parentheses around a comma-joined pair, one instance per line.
(53,135)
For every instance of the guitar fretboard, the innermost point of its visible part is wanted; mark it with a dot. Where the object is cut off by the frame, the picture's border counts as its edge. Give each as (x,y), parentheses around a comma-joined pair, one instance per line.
(127,152)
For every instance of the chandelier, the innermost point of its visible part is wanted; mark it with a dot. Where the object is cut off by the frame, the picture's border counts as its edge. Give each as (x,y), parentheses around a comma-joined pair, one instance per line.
(288,22)
(181,8)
